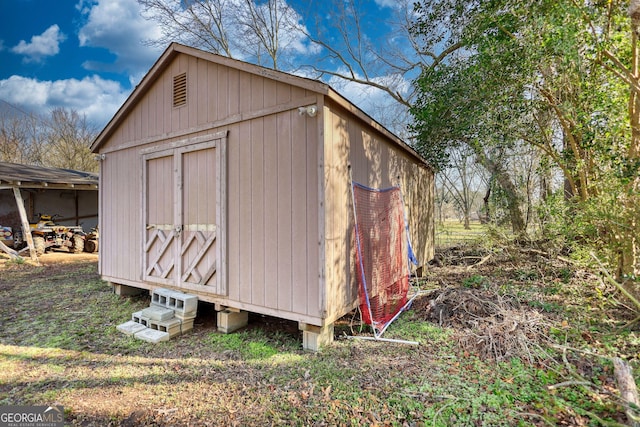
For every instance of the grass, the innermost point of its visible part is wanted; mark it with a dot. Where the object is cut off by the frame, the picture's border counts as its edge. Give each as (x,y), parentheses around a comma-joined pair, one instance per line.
(59,345)
(252,344)
(451,232)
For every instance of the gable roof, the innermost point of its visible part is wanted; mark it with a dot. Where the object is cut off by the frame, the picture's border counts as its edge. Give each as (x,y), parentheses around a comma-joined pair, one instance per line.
(29,176)
(175,49)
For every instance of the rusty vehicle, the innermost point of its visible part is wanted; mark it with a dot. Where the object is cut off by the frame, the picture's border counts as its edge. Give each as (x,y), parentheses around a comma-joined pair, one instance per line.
(91,241)
(49,235)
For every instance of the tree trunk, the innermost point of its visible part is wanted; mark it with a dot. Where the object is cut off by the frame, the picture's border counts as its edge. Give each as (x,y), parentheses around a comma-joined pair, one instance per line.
(629,256)
(629,260)
(513,204)
(485,202)
(508,187)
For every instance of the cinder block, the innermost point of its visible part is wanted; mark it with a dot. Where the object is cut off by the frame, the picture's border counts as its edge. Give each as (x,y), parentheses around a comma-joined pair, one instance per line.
(186,325)
(177,301)
(169,323)
(172,326)
(160,297)
(183,303)
(130,327)
(139,318)
(157,313)
(316,337)
(152,335)
(229,321)
(185,316)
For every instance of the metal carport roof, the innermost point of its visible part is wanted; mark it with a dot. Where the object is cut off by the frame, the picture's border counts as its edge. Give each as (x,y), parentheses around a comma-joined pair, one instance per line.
(29,176)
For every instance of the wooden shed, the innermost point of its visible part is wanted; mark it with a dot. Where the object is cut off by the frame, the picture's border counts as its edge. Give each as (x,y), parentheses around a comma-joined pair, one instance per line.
(230,181)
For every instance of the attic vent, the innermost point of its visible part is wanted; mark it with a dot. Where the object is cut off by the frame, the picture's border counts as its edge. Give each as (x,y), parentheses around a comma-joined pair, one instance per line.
(180,90)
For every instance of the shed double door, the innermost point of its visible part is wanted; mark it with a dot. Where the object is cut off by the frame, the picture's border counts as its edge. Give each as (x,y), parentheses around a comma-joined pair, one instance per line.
(184,205)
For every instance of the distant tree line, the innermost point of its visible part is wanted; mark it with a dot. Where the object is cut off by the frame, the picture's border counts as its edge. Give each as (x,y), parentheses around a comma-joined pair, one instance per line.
(62,139)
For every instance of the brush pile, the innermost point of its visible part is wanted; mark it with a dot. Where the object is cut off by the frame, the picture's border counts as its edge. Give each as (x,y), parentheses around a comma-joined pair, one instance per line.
(487,324)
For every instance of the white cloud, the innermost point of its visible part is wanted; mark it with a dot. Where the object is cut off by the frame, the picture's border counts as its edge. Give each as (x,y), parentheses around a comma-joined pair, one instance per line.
(92,96)
(387,3)
(45,44)
(117,26)
(291,35)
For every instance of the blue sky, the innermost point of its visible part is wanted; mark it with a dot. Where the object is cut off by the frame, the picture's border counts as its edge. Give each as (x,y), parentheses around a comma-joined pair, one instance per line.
(86,54)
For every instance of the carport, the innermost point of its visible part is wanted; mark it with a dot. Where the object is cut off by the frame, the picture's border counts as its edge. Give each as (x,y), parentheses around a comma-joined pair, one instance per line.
(26,190)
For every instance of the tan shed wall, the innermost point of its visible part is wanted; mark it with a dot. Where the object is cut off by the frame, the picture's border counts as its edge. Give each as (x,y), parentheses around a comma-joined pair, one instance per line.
(273,251)
(376,162)
(273,248)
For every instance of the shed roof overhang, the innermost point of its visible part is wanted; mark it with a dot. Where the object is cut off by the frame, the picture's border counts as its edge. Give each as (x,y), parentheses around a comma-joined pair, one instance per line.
(13,175)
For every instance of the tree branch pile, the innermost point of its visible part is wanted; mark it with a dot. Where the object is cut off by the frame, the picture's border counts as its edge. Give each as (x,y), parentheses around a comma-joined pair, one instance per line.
(486,323)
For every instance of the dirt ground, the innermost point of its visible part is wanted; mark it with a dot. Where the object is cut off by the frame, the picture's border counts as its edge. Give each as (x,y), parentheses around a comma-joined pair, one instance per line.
(55,257)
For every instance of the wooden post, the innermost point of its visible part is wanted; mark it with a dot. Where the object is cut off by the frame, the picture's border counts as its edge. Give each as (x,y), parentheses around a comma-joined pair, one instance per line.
(26,230)
(12,254)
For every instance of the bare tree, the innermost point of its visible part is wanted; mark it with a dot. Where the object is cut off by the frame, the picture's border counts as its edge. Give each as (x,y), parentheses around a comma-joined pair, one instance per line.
(63,140)
(12,139)
(389,64)
(21,138)
(463,181)
(69,138)
(202,24)
(270,27)
(260,32)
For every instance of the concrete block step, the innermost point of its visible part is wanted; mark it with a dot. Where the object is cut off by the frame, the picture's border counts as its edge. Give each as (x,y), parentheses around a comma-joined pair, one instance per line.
(155,312)
(153,325)
(152,335)
(177,301)
(172,326)
(139,318)
(130,327)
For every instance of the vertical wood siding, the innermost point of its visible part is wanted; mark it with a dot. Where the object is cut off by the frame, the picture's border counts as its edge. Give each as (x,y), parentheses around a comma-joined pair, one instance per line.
(200,180)
(272,251)
(378,163)
(120,216)
(159,191)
